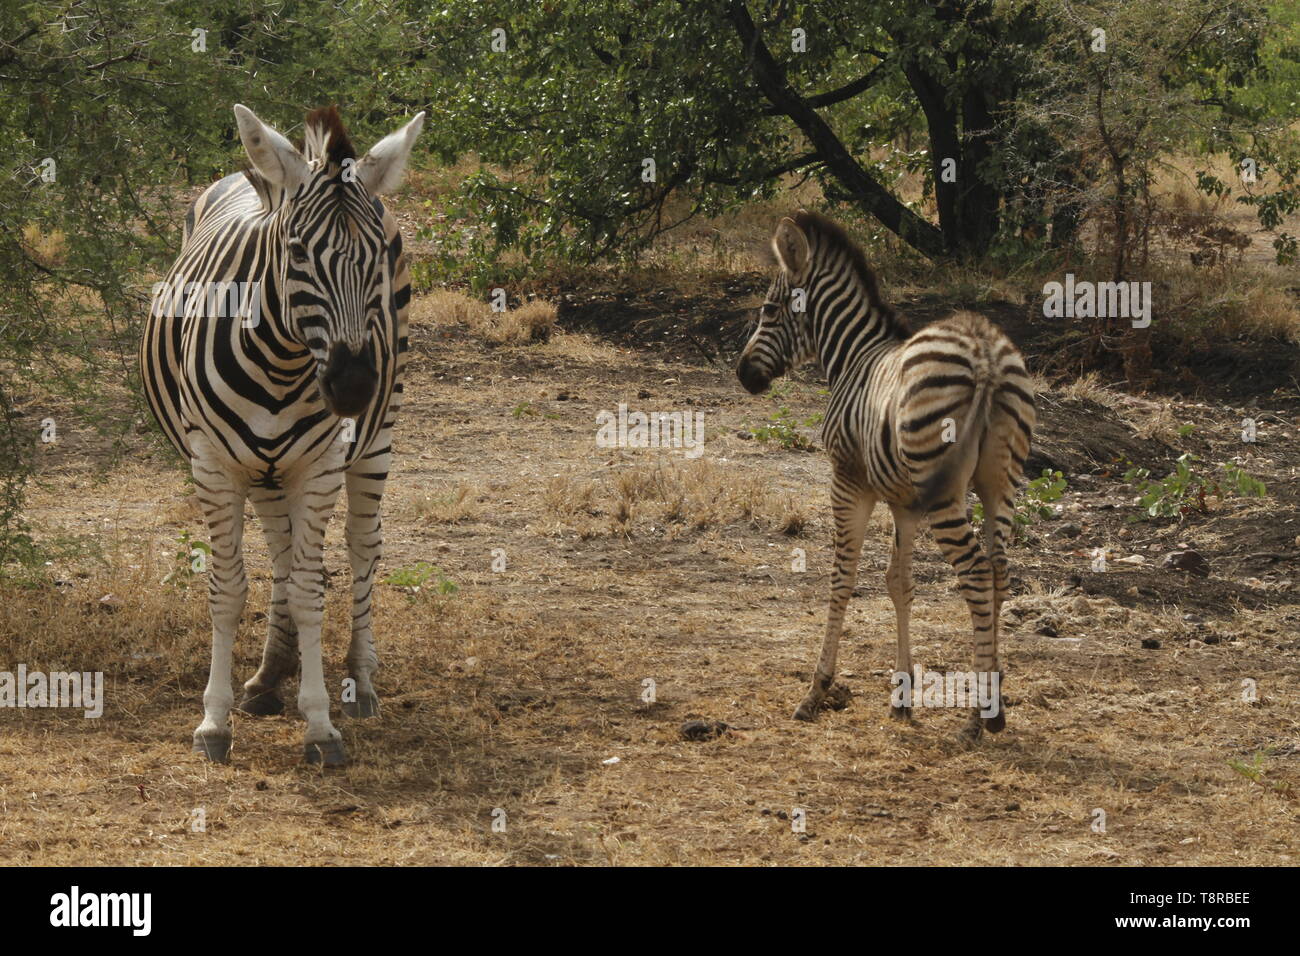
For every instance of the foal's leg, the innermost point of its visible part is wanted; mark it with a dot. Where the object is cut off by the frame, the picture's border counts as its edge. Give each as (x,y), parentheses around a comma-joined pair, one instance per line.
(957,541)
(852,505)
(901,590)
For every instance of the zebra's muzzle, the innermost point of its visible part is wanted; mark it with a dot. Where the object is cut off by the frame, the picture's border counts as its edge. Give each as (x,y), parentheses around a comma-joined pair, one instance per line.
(752,377)
(348,382)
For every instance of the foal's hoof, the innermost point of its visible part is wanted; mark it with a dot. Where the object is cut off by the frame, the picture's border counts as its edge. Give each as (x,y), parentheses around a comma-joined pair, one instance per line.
(265,704)
(808,709)
(900,713)
(995,723)
(970,734)
(327,753)
(214,748)
(366,705)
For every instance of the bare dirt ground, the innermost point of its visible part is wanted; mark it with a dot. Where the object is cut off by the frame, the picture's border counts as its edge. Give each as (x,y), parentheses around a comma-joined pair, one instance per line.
(519,697)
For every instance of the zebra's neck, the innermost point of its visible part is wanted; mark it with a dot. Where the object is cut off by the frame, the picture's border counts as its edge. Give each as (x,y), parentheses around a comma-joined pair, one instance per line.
(274,337)
(849,325)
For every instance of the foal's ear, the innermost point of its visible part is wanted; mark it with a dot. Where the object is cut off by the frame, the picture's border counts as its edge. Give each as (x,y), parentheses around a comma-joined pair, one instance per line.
(791,246)
(271,154)
(381,169)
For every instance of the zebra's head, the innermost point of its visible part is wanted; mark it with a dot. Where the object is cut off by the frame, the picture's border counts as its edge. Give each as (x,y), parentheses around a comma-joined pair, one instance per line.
(329,250)
(782,337)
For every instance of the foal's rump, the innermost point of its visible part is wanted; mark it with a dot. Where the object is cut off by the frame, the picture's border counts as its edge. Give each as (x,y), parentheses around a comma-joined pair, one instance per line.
(965,405)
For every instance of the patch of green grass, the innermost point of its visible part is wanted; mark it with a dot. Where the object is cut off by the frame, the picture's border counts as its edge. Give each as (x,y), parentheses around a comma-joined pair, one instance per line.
(421,578)
(780,428)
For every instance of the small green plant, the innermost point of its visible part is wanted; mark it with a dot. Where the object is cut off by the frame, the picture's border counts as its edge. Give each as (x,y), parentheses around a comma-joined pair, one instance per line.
(780,428)
(1186,488)
(525,408)
(1034,504)
(1255,771)
(421,578)
(191,559)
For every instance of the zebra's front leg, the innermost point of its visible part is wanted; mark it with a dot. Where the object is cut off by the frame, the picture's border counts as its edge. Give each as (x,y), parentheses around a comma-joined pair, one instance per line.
(852,506)
(280,655)
(309,511)
(222,501)
(365,541)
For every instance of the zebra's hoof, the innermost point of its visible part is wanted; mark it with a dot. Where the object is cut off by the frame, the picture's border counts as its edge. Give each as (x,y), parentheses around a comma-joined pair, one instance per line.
(214,748)
(327,753)
(970,734)
(808,709)
(901,713)
(265,704)
(996,723)
(366,705)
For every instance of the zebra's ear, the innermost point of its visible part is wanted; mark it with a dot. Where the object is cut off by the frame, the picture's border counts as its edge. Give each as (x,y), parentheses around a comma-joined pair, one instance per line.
(791,246)
(272,155)
(381,169)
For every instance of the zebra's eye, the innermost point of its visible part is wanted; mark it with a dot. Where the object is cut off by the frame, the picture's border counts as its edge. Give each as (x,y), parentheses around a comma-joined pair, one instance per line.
(297,252)
(768,310)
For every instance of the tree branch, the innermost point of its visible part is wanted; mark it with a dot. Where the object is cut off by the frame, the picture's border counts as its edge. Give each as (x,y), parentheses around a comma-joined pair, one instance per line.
(859,184)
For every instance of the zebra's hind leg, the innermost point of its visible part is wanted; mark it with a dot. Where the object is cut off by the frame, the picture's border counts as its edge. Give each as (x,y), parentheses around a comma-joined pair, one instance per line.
(309,510)
(901,591)
(851,505)
(957,541)
(222,501)
(365,541)
(994,484)
(280,655)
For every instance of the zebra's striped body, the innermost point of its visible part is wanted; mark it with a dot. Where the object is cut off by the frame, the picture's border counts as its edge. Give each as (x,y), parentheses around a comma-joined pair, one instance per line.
(913,420)
(289,402)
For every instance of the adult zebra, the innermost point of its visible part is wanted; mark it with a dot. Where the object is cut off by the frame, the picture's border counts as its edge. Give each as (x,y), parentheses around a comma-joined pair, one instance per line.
(289,401)
(913,420)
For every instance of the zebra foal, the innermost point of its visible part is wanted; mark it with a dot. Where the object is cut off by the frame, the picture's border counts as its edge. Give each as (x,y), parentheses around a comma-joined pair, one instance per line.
(913,420)
(289,401)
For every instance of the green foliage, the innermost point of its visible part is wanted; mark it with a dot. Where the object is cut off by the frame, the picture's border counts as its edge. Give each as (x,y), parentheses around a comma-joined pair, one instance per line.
(1186,488)
(1256,771)
(781,429)
(1034,504)
(191,558)
(421,577)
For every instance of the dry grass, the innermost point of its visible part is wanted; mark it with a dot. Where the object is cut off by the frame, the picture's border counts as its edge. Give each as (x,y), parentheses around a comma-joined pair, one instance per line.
(532,321)
(668,498)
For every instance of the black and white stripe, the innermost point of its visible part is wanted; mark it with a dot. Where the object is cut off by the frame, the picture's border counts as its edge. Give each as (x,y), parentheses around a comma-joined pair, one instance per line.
(260,405)
(913,420)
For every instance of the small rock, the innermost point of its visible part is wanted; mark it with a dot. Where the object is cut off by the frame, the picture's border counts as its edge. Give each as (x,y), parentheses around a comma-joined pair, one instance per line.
(1069,530)
(1190,561)
(1047,630)
(1150,644)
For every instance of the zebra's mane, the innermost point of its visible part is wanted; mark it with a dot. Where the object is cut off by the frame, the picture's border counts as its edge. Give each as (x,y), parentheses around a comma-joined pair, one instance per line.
(831,235)
(324,139)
